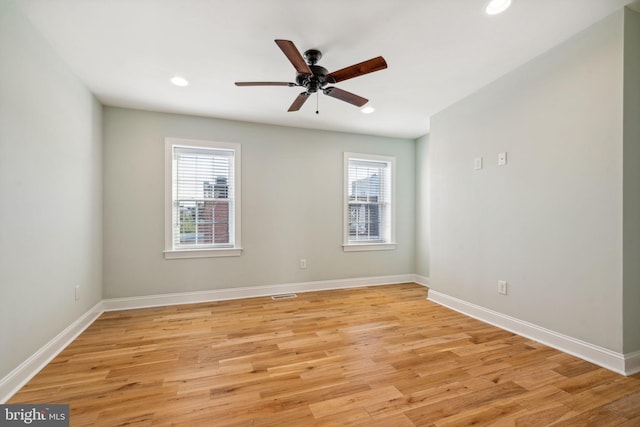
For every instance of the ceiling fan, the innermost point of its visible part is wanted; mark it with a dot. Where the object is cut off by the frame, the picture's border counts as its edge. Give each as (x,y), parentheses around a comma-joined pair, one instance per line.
(314,77)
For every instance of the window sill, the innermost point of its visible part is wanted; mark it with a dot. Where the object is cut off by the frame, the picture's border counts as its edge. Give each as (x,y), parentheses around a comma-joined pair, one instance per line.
(202,253)
(354,247)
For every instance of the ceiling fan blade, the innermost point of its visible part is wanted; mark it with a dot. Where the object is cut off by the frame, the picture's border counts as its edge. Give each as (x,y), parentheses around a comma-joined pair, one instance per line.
(293,54)
(265,84)
(345,96)
(299,101)
(360,69)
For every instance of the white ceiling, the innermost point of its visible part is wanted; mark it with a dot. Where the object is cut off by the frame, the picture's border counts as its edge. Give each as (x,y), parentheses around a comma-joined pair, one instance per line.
(438,51)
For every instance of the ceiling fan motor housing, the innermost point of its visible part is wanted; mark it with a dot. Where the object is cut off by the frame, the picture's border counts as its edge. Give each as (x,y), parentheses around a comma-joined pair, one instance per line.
(315,81)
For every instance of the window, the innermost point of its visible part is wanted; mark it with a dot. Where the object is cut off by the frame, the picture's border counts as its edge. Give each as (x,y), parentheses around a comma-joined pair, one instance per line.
(202,213)
(369,202)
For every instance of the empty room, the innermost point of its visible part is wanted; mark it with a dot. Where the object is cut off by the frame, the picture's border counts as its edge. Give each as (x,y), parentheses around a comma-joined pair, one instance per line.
(288,212)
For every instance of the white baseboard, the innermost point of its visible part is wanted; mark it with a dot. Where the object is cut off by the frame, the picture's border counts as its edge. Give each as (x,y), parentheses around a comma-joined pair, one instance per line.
(249,292)
(624,364)
(421,280)
(632,363)
(17,378)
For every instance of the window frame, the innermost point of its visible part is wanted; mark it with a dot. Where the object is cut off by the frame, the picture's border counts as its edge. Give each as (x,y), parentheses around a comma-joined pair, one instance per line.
(170,252)
(389,242)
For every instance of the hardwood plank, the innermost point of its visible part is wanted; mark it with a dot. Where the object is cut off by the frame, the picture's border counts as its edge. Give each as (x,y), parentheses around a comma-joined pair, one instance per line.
(542,416)
(482,416)
(601,395)
(469,401)
(628,406)
(399,420)
(426,397)
(352,417)
(305,397)
(596,417)
(354,401)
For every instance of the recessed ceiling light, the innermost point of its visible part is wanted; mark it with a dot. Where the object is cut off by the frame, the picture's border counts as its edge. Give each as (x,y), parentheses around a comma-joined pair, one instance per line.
(495,7)
(179,81)
(368,110)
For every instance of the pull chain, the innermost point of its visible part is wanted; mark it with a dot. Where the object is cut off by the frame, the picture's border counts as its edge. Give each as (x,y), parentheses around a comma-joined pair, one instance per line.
(317,103)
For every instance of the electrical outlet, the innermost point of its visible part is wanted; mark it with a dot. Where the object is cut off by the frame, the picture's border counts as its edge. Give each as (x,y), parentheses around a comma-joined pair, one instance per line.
(502,287)
(303,263)
(77,292)
(502,159)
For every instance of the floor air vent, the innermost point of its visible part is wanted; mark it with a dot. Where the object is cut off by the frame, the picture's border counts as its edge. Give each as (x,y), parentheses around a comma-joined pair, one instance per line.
(283,296)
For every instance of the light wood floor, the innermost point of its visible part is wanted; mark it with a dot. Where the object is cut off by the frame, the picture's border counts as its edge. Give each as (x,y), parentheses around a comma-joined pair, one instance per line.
(378,356)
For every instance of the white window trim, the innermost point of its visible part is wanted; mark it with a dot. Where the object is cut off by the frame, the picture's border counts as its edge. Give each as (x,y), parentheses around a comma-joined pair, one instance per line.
(348,246)
(169,251)
(356,247)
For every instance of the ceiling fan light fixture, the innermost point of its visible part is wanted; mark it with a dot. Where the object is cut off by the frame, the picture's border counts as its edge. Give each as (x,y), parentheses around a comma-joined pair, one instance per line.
(179,81)
(368,110)
(495,7)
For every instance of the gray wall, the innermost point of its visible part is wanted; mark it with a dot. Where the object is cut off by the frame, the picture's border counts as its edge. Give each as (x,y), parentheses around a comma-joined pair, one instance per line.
(50,192)
(550,221)
(291,206)
(632,180)
(422,206)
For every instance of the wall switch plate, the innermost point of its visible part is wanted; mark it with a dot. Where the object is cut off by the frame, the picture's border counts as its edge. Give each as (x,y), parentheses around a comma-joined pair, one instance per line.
(77,292)
(477,163)
(303,263)
(502,287)
(502,159)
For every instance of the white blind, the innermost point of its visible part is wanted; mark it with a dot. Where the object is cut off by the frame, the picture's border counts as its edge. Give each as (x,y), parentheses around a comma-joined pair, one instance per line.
(203,197)
(368,193)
